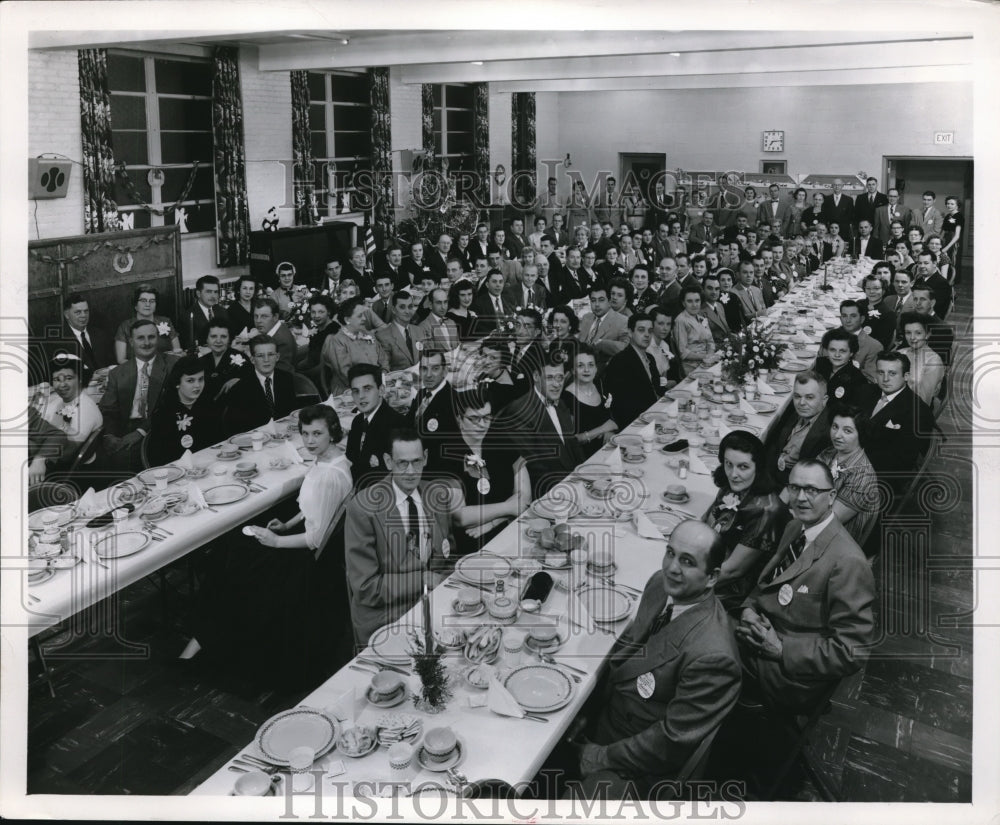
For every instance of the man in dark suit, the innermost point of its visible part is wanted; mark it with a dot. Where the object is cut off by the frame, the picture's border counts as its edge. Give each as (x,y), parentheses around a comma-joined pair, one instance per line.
(528,354)
(839,209)
(205,309)
(631,377)
(867,204)
(669,287)
(261,395)
(940,335)
(433,411)
(864,245)
(809,620)
(399,337)
(572,281)
(928,273)
(480,245)
(886,214)
(267,322)
(659,207)
(391,264)
(130,398)
(398,538)
(93,345)
(368,440)
(674,675)
(514,239)
(528,291)
(806,432)
(438,258)
(899,423)
(703,234)
(714,311)
(774,209)
(490,305)
(539,428)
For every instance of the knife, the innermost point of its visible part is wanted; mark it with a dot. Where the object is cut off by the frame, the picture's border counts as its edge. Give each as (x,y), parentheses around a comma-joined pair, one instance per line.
(383,665)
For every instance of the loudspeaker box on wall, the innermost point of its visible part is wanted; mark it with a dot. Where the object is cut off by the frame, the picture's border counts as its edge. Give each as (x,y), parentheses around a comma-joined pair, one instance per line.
(48,178)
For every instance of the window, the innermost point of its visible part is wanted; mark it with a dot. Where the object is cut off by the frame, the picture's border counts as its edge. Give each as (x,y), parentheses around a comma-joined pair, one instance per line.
(454,121)
(161,119)
(340,120)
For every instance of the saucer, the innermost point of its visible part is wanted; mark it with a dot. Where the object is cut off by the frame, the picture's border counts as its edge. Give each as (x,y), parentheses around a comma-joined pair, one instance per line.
(633,459)
(450,762)
(393,699)
(246,476)
(44,576)
(634,472)
(609,570)
(228,456)
(197,472)
(675,500)
(478,610)
(550,646)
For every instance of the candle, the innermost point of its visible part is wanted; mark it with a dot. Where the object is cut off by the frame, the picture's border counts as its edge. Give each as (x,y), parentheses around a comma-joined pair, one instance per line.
(428,635)
(193,343)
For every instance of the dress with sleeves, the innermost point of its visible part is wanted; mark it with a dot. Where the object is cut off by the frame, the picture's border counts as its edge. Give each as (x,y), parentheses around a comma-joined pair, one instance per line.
(465,324)
(588,418)
(857,486)
(175,428)
(322,495)
(490,483)
(343,350)
(694,341)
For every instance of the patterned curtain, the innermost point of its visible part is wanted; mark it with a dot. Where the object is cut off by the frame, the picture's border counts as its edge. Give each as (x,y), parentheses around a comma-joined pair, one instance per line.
(481,139)
(384,215)
(233,212)
(427,117)
(304,182)
(523,142)
(100,212)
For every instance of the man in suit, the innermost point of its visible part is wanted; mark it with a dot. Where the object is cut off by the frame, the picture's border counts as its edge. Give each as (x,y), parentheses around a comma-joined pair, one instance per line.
(604,329)
(267,322)
(839,209)
(572,281)
(774,209)
(130,398)
(864,245)
(433,411)
(480,245)
(93,345)
(205,309)
(438,259)
(399,337)
(714,311)
(437,330)
(806,432)
(748,294)
(893,210)
(368,440)
(539,428)
(607,204)
(670,288)
(809,619)
(853,320)
(868,204)
(673,677)
(930,218)
(928,273)
(558,231)
(549,204)
(490,305)
(381,307)
(659,207)
(528,353)
(527,292)
(392,266)
(899,424)
(902,301)
(544,280)
(703,234)
(330,280)
(259,396)
(398,539)
(631,377)
(514,239)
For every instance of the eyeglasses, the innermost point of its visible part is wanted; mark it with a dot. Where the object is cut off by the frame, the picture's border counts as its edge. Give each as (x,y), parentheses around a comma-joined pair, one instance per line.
(809,490)
(479,419)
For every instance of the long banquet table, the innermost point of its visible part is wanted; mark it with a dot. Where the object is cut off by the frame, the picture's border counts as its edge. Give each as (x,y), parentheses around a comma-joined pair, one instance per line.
(510,749)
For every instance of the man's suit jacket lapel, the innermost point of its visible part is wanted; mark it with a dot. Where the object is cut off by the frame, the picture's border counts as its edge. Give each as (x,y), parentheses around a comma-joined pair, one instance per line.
(665,645)
(806,559)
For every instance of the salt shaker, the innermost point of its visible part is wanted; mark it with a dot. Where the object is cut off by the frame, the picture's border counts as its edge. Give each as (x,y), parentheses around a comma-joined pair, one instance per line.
(682,468)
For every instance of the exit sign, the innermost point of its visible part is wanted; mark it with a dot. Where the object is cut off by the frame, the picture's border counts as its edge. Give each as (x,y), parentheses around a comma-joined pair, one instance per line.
(944,138)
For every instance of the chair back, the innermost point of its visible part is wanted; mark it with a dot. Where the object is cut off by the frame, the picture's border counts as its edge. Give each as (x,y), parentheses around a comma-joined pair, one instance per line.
(694,767)
(87,450)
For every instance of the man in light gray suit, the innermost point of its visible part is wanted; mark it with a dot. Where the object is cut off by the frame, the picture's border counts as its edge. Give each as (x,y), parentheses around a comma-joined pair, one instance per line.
(399,337)
(605,330)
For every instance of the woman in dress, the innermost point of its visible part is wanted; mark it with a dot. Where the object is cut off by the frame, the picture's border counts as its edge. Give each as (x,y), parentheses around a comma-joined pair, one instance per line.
(844,381)
(747,513)
(634,207)
(185,417)
(675,243)
(927,370)
(951,231)
(223,365)
(494,380)
(565,325)
(667,362)
(838,246)
(279,572)
(692,337)
(857,501)
(799,205)
(351,345)
(240,311)
(749,207)
(460,298)
(644,296)
(144,301)
(933,244)
(323,324)
(589,405)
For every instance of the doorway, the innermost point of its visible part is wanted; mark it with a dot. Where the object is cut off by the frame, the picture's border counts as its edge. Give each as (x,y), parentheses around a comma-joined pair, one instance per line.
(943,176)
(643,168)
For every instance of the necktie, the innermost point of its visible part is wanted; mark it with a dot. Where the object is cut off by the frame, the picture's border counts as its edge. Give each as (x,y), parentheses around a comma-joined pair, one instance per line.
(269,395)
(791,554)
(88,350)
(409,341)
(499,307)
(660,621)
(362,426)
(413,534)
(881,403)
(143,389)
(211,314)
(593,330)
(425,399)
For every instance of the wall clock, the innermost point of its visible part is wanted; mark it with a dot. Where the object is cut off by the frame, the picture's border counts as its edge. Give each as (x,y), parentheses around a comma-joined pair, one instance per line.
(773,140)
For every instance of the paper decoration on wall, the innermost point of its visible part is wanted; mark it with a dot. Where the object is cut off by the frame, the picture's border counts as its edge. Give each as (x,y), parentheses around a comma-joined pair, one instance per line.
(127,220)
(270,222)
(180,216)
(123,262)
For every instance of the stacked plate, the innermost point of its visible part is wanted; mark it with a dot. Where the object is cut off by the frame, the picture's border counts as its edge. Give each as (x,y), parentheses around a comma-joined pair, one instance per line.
(391,644)
(482,568)
(294,728)
(606,605)
(395,727)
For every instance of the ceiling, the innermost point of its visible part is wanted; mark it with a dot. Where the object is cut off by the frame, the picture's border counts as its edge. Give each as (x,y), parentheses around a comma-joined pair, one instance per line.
(583,60)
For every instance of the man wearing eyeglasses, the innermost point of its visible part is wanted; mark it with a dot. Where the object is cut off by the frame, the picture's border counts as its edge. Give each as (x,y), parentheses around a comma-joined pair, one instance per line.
(809,619)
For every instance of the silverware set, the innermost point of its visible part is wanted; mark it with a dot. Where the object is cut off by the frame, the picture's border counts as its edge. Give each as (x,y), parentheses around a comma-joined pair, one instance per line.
(379,665)
(244,763)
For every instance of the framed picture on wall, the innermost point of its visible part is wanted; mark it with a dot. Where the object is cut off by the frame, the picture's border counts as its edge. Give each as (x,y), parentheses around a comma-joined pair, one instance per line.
(773,167)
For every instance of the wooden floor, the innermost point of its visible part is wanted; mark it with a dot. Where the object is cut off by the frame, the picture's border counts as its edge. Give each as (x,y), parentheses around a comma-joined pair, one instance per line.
(899,731)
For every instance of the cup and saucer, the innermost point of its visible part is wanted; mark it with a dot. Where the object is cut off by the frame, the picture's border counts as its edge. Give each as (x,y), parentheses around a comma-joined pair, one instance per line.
(228,453)
(387,689)
(245,470)
(441,749)
(676,494)
(468,602)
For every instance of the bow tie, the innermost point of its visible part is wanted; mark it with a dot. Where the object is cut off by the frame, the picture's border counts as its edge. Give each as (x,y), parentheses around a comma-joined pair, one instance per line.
(549,402)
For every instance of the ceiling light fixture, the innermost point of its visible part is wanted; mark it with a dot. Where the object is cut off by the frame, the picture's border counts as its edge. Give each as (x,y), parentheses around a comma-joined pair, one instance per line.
(344,41)
(674,54)
(476,62)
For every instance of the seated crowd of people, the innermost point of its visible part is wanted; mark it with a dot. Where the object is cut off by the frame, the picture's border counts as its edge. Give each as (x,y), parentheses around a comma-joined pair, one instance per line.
(778,554)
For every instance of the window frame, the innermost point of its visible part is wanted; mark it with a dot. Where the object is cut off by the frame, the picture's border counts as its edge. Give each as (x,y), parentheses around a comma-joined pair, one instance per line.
(442,133)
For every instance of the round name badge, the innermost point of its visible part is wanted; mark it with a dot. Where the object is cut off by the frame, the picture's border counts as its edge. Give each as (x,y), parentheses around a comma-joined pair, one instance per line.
(785,595)
(432,425)
(187,441)
(445,548)
(645,685)
(839,392)
(483,485)
(373,461)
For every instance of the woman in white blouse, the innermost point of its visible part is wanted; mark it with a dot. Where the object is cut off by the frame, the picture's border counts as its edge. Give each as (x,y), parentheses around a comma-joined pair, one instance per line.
(695,344)
(926,367)
(67,407)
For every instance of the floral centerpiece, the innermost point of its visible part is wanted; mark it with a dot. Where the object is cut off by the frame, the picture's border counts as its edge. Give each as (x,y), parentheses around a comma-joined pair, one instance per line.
(750,351)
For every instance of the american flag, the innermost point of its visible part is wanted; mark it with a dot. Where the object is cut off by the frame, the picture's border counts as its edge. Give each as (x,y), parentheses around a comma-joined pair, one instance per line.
(369,241)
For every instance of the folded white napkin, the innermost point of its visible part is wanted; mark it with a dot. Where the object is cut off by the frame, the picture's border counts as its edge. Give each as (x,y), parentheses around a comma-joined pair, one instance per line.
(344,707)
(88,503)
(185,462)
(499,700)
(582,615)
(649,431)
(288,451)
(764,387)
(696,465)
(747,407)
(614,461)
(644,527)
(723,429)
(670,407)
(331,401)
(270,428)
(195,496)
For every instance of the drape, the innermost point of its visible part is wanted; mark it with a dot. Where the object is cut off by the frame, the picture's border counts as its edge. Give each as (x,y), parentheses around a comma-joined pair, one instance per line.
(427,117)
(100,212)
(303,172)
(481,139)
(524,150)
(384,220)
(232,209)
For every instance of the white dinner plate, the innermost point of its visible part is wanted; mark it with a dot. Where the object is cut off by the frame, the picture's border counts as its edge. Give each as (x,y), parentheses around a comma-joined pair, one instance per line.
(539,688)
(763,407)
(606,604)
(392,644)
(117,546)
(294,728)
(246,439)
(482,568)
(665,521)
(225,494)
(556,506)
(65,512)
(174,473)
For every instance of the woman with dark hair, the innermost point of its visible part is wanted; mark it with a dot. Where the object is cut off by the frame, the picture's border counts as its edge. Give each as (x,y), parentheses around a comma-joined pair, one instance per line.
(460,298)
(667,362)
(951,232)
(323,324)
(747,513)
(274,571)
(927,370)
(586,400)
(857,501)
(494,379)
(565,325)
(352,344)
(844,381)
(799,205)
(185,418)
(144,300)
(693,338)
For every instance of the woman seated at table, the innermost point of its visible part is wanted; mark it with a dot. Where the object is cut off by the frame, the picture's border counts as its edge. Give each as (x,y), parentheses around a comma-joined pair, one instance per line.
(844,381)
(838,246)
(223,365)
(747,513)
(667,363)
(351,345)
(323,324)
(693,338)
(927,370)
(144,301)
(185,417)
(564,323)
(494,379)
(493,490)
(588,403)
(460,298)
(257,607)
(857,501)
